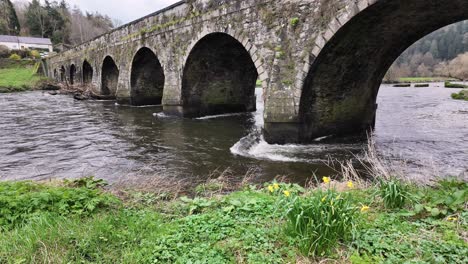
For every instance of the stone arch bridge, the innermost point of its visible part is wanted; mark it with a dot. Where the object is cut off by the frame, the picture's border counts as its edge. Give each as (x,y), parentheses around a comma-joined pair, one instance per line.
(320,62)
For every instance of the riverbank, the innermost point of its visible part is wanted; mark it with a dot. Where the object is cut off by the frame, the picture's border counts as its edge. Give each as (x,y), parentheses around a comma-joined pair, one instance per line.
(19,76)
(82,221)
(421,80)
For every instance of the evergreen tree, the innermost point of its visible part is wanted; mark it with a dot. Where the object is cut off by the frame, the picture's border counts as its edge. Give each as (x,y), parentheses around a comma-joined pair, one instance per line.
(9,23)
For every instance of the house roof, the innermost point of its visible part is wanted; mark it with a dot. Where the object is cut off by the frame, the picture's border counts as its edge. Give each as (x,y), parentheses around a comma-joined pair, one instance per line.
(25,40)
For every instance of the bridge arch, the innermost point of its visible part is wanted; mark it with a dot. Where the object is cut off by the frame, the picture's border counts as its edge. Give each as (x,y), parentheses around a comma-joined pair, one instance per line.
(62,74)
(349,60)
(219,75)
(88,72)
(109,76)
(72,74)
(147,78)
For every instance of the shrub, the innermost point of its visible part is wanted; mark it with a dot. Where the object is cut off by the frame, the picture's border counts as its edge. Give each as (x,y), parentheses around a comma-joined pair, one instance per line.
(320,220)
(35,54)
(394,193)
(462,95)
(15,56)
(4,51)
(455,85)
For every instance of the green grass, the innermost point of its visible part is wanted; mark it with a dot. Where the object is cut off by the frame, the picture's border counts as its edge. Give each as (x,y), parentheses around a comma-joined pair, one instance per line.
(248,226)
(462,95)
(455,85)
(424,79)
(18,79)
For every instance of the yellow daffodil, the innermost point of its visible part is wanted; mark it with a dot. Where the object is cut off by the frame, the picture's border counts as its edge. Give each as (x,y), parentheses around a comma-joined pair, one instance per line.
(365,208)
(350,184)
(452,219)
(276,186)
(271,188)
(287,193)
(326,179)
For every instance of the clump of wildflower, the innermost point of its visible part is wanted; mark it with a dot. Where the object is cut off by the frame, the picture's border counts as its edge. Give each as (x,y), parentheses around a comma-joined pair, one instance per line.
(365,208)
(326,180)
(276,186)
(452,219)
(350,185)
(287,193)
(271,188)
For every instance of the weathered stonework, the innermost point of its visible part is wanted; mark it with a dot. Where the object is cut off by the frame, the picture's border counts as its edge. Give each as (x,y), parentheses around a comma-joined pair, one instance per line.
(320,61)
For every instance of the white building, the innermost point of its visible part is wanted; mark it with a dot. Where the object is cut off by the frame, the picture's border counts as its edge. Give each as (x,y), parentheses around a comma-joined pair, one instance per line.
(20,43)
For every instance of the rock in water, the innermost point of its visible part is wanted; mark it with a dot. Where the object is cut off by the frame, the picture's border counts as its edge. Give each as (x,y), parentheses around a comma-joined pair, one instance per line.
(80,97)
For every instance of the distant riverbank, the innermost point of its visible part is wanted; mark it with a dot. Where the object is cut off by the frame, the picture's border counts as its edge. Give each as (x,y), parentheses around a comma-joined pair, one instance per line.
(422,80)
(19,75)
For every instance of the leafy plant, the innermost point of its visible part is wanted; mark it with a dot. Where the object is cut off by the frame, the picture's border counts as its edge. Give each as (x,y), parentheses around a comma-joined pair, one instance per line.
(21,201)
(15,56)
(294,21)
(395,194)
(196,205)
(86,182)
(320,220)
(449,198)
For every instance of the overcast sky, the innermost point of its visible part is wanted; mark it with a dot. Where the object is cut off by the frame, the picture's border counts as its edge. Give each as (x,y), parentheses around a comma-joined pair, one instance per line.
(124,10)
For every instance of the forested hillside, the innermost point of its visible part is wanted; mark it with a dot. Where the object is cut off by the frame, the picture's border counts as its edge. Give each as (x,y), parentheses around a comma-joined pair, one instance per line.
(9,24)
(438,54)
(51,19)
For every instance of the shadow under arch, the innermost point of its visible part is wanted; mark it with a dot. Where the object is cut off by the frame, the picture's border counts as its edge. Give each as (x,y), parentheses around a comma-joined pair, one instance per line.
(72,74)
(62,74)
(340,91)
(109,77)
(147,78)
(87,72)
(219,77)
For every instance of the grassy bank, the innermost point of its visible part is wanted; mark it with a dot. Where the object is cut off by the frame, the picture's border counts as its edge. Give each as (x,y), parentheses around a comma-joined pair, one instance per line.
(424,79)
(391,222)
(455,85)
(16,78)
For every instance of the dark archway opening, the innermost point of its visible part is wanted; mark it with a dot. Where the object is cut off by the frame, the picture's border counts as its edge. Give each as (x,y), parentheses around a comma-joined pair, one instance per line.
(340,91)
(72,74)
(62,74)
(87,73)
(147,79)
(110,77)
(219,77)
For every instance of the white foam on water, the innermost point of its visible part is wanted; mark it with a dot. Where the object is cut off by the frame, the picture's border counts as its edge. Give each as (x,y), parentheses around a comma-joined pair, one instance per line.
(255,146)
(218,116)
(160,115)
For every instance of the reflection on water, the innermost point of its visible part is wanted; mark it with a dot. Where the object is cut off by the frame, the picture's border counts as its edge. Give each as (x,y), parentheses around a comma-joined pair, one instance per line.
(44,136)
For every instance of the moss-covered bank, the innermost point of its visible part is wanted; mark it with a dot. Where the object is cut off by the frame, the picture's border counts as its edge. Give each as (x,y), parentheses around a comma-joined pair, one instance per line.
(77,222)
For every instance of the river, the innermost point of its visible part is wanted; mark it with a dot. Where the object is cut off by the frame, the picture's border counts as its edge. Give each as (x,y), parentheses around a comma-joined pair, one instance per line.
(47,137)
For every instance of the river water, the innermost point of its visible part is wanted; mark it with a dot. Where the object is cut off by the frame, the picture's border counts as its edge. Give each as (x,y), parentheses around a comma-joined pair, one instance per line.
(46,137)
